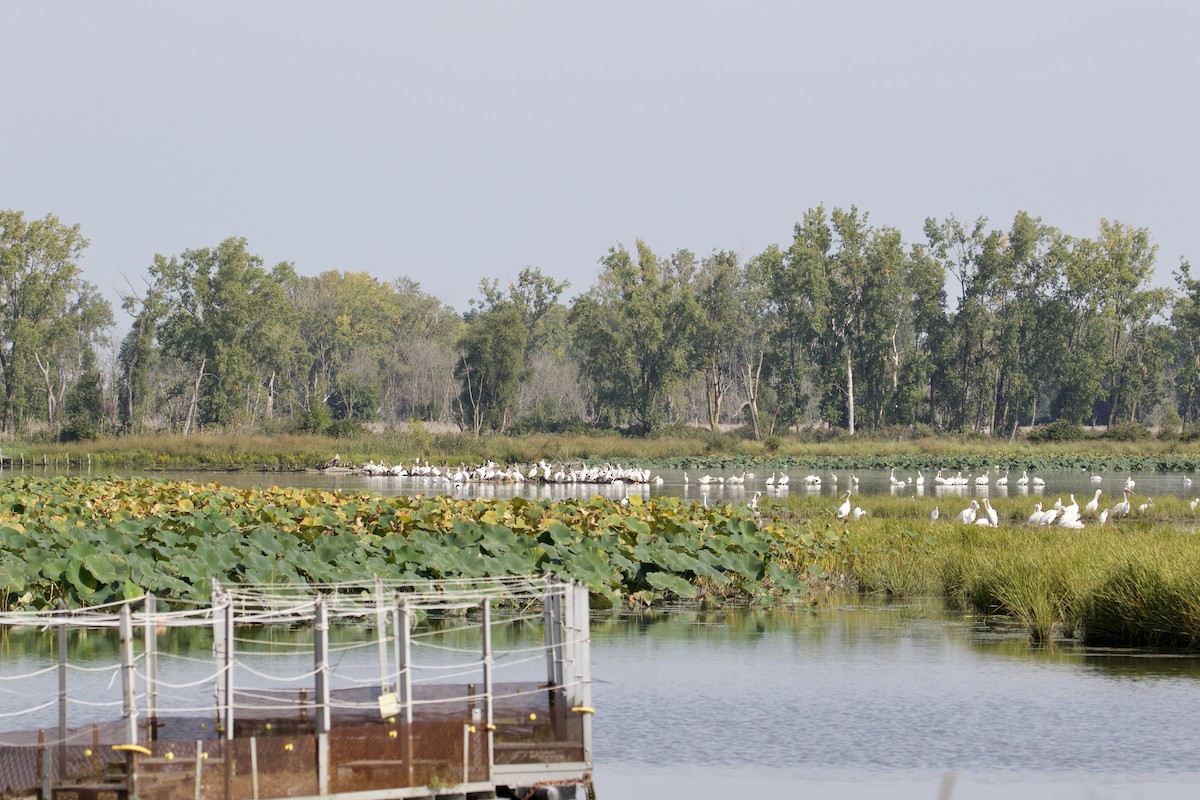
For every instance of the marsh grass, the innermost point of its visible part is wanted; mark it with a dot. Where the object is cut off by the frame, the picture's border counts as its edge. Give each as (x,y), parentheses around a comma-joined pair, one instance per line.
(1133,582)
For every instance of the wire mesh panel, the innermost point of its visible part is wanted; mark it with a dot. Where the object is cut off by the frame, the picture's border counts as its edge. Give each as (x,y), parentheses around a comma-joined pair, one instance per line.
(295,691)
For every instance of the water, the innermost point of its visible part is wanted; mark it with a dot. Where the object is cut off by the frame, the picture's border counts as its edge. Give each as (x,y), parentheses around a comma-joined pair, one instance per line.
(861,701)
(857,698)
(871,483)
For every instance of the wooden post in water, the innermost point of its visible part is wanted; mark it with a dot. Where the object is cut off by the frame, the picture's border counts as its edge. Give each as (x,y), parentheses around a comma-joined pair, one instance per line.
(381,634)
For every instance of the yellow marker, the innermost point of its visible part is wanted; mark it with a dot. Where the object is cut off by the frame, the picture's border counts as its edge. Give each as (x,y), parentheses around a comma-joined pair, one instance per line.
(132,748)
(169,756)
(203,756)
(392,734)
(88,752)
(533,716)
(470,728)
(203,725)
(267,726)
(583,710)
(491,727)
(288,747)
(391,720)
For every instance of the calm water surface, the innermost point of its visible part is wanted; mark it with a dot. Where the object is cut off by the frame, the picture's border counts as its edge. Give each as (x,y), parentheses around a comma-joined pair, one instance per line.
(862,701)
(871,483)
(845,700)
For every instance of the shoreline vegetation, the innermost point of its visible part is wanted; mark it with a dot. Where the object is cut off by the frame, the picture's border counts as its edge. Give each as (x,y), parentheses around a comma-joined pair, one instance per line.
(688,448)
(1133,582)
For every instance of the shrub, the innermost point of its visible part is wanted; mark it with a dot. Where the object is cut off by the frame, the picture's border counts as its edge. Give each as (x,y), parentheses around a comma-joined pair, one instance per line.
(1061,430)
(1126,432)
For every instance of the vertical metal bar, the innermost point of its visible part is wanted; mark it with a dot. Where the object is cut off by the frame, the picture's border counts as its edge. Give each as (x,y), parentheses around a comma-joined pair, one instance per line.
(585,667)
(150,652)
(127,677)
(321,667)
(254,767)
(488,716)
(228,678)
(381,633)
(404,662)
(129,701)
(548,630)
(199,768)
(466,753)
(218,625)
(43,764)
(62,693)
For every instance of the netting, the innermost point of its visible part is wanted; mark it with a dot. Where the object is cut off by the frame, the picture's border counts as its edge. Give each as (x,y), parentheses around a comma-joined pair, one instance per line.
(296,691)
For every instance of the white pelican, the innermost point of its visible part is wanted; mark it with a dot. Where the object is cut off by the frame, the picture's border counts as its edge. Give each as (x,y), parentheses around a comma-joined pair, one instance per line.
(844,509)
(1004,480)
(1036,515)
(983,479)
(1129,484)
(1024,479)
(1093,505)
(967,515)
(1123,508)
(992,516)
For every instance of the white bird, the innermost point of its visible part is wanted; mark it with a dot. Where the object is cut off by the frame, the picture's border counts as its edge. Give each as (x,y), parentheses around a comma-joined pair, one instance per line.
(1097,478)
(857,513)
(1038,482)
(1103,518)
(1123,507)
(1036,515)
(1003,481)
(853,479)
(1093,505)
(1024,479)
(1195,502)
(1186,481)
(1072,509)
(1070,522)
(754,501)
(685,479)
(844,509)
(920,478)
(967,515)
(1146,506)
(983,479)
(1048,516)
(938,478)
(783,479)
(1129,484)
(992,516)
(771,480)
(933,515)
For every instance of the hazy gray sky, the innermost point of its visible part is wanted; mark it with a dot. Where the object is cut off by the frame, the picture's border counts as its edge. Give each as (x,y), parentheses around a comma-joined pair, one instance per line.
(449,141)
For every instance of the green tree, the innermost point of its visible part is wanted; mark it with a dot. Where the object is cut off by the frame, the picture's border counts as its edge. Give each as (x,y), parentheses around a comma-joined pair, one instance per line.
(228,321)
(633,331)
(493,353)
(49,316)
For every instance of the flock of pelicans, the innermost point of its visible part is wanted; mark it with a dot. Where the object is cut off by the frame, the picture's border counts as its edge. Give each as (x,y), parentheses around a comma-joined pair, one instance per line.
(1068,515)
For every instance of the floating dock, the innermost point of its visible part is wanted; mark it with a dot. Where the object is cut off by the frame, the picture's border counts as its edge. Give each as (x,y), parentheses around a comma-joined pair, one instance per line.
(446,713)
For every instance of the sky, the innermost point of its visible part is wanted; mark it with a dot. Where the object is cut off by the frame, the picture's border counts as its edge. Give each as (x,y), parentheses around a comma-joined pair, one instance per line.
(453,141)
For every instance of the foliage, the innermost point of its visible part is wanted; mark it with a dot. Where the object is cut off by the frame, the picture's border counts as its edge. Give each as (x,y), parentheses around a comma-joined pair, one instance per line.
(1058,431)
(87,542)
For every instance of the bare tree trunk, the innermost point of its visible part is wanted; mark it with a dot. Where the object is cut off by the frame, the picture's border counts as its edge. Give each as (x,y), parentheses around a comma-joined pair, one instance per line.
(850,390)
(193,407)
(752,378)
(51,410)
(269,413)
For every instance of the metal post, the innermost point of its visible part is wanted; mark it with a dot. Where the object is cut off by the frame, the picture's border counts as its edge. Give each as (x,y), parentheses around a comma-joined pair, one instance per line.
(404,658)
(130,703)
(127,677)
(150,651)
(584,671)
(62,693)
(43,764)
(199,769)
(219,655)
(254,767)
(548,631)
(488,720)
(381,633)
(321,667)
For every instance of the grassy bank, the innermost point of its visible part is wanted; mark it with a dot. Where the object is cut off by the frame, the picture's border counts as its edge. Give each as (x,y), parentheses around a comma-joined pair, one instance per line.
(686,449)
(1135,582)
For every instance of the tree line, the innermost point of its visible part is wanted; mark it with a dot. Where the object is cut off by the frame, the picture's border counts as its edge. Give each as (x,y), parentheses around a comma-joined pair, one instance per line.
(847,326)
